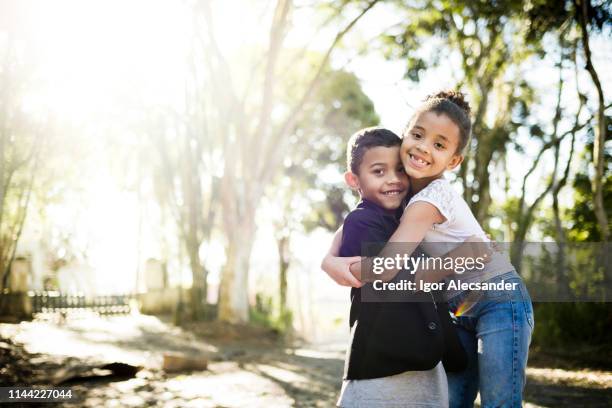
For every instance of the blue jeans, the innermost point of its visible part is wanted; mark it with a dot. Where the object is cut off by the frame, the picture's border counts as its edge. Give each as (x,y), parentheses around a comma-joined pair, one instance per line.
(495,332)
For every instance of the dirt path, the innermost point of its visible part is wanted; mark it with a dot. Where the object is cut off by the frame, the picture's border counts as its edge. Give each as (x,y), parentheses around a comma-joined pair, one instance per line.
(253,372)
(247,367)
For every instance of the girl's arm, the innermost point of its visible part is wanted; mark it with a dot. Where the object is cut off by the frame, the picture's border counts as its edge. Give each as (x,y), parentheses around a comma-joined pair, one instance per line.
(414,224)
(416,221)
(338,267)
(418,218)
(473,247)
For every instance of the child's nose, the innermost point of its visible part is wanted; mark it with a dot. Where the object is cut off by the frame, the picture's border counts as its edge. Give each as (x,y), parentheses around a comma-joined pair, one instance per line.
(393,178)
(423,147)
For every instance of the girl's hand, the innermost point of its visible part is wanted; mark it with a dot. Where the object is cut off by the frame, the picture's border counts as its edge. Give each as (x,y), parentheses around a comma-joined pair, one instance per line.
(338,268)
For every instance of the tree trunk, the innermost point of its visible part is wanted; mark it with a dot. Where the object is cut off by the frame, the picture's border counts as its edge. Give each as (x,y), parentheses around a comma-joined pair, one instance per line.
(600,131)
(477,193)
(252,157)
(198,277)
(483,159)
(233,290)
(525,215)
(561,270)
(283,267)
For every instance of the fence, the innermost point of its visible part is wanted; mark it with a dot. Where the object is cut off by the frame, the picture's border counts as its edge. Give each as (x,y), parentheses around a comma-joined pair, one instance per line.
(57,302)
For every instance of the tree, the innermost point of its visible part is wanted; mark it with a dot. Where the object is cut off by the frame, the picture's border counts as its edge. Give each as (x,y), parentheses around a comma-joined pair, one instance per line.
(254,139)
(490,43)
(524,214)
(546,16)
(317,147)
(212,154)
(20,146)
(185,186)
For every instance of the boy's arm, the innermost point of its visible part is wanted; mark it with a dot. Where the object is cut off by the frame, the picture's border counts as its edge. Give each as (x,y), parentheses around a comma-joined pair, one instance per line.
(414,224)
(338,267)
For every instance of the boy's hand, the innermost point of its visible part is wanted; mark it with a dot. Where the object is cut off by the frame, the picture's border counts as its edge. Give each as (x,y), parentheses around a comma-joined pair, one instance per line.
(473,247)
(496,247)
(338,268)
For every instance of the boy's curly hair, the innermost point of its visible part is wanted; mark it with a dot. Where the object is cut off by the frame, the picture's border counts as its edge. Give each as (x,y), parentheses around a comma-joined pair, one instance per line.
(453,104)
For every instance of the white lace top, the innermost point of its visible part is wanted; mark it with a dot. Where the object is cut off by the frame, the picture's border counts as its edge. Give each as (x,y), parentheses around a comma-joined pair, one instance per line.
(459,225)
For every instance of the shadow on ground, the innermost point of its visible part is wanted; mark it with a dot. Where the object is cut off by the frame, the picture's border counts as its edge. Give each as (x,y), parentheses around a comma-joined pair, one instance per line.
(248,366)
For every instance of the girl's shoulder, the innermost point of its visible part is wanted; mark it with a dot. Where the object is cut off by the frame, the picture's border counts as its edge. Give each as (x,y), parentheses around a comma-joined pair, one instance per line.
(439,190)
(440,183)
(440,194)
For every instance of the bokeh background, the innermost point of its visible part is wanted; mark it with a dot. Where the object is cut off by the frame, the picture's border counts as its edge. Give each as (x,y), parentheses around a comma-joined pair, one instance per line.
(195,149)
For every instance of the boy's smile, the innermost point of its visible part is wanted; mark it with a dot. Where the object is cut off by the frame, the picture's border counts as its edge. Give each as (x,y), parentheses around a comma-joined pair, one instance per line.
(381,179)
(429,146)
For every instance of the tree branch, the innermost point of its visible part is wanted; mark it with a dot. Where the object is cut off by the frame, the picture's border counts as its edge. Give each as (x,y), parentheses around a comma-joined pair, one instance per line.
(275,142)
(277,34)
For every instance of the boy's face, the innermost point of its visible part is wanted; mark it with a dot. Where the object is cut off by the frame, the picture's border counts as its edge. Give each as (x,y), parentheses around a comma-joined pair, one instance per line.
(381,177)
(429,146)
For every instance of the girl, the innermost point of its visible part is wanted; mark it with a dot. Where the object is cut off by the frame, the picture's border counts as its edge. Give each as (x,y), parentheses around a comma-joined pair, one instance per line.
(495,330)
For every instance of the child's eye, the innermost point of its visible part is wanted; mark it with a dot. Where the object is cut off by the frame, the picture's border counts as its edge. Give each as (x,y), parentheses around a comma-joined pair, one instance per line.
(416,135)
(439,146)
(378,172)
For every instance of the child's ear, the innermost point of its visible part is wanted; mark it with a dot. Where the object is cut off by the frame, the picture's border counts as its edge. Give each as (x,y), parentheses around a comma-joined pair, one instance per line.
(455,161)
(352,180)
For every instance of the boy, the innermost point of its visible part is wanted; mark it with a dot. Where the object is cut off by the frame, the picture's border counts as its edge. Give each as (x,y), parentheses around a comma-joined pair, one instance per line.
(388,340)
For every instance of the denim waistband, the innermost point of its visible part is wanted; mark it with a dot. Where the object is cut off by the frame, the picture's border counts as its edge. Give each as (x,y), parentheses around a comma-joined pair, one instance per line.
(504,276)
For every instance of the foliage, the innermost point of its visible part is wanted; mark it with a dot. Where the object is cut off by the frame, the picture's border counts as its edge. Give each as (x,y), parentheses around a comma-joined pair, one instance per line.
(572,325)
(548,15)
(581,324)
(263,313)
(341,109)
(489,42)
(306,199)
(583,224)
(20,147)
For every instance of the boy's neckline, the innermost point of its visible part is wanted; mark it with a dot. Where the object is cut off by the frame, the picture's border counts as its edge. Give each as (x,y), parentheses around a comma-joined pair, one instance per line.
(371,204)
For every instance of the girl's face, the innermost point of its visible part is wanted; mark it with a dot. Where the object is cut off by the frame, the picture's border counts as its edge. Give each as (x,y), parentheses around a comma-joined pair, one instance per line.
(429,147)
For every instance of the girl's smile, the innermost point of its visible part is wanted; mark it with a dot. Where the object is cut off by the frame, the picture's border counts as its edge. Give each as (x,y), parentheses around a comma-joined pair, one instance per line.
(416,161)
